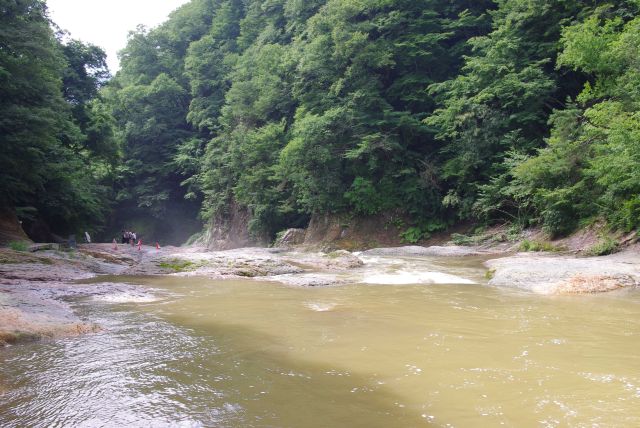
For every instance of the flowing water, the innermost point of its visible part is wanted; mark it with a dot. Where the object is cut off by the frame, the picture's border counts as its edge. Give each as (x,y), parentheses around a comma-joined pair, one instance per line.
(412,342)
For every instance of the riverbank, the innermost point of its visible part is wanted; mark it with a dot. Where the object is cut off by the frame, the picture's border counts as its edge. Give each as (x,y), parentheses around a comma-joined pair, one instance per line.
(36,288)
(33,287)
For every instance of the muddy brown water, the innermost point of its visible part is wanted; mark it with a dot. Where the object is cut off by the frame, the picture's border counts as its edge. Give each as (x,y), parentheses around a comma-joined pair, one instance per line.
(197,352)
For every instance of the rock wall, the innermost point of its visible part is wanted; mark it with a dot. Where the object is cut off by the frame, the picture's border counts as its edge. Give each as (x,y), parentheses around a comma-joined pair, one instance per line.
(291,238)
(337,231)
(325,231)
(10,227)
(231,230)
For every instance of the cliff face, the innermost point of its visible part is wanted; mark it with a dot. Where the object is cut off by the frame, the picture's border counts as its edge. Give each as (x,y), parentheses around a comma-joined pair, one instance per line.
(334,231)
(10,227)
(231,230)
(350,233)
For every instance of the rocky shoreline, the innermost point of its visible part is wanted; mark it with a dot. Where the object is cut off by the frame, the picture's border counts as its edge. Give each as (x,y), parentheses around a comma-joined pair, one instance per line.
(34,287)
(548,273)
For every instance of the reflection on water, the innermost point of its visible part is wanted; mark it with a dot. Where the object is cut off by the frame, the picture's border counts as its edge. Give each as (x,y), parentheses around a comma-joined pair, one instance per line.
(242,353)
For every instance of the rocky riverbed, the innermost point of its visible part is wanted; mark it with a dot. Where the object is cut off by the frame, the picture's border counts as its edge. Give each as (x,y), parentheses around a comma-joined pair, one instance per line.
(35,288)
(31,287)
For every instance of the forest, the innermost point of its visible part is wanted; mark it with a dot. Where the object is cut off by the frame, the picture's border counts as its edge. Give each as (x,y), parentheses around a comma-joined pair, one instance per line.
(524,112)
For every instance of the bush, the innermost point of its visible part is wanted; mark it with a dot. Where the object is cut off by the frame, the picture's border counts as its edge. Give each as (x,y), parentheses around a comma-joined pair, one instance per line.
(527,245)
(278,238)
(557,222)
(628,216)
(417,233)
(19,245)
(460,239)
(364,197)
(193,238)
(603,247)
(514,232)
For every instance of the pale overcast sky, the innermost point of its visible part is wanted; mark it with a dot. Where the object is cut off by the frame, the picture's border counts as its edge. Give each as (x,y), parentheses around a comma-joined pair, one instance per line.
(106,23)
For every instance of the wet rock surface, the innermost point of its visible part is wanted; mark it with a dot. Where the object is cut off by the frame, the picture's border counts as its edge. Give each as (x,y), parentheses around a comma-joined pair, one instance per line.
(434,251)
(35,287)
(561,274)
(317,279)
(238,263)
(244,262)
(335,260)
(27,315)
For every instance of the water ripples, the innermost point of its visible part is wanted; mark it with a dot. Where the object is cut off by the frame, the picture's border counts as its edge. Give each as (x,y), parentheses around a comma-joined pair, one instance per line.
(192,352)
(133,374)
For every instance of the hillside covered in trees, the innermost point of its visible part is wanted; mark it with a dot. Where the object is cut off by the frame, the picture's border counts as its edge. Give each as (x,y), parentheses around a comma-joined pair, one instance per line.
(58,148)
(275,111)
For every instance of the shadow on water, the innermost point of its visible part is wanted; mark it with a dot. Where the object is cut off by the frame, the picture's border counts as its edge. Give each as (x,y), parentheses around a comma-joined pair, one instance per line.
(145,371)
(280,391)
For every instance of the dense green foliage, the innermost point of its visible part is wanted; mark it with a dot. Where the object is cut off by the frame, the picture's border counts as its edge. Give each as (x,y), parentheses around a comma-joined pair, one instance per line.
(309,107)
(505,110)
(57,142)
(588,168)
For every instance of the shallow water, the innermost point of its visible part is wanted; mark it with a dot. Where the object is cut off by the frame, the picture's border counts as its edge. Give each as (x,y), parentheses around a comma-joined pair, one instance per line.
(197,352)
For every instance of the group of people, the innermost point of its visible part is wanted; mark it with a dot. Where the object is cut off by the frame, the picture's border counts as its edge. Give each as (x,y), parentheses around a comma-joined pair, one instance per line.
(129,237)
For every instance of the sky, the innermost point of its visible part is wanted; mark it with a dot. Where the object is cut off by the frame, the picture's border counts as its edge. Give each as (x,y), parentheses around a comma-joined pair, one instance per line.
(107,23)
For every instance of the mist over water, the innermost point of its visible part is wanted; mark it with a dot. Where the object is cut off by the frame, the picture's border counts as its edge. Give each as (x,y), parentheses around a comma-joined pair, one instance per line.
(197,352)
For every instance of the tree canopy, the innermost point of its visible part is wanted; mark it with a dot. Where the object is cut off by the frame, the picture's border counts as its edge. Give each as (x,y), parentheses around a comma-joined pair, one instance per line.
(57,143)
(494,110)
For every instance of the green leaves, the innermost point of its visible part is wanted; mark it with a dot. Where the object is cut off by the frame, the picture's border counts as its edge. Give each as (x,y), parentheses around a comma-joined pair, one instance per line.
(283,109)
(501,101)
(590,165)
(152,122)
(56,139)
(316,109)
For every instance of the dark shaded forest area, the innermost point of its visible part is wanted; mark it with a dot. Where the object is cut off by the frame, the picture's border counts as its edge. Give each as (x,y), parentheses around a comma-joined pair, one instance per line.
(517,111)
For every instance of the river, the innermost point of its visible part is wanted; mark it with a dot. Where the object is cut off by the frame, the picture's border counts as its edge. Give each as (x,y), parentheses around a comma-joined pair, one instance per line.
(410,342)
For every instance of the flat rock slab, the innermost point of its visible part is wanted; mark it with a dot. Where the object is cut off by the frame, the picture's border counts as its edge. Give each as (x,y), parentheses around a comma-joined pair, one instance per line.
(555,274)
(244,262)
(30,315)
(432,251)
(307,279)
(335,261)
(41,247)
